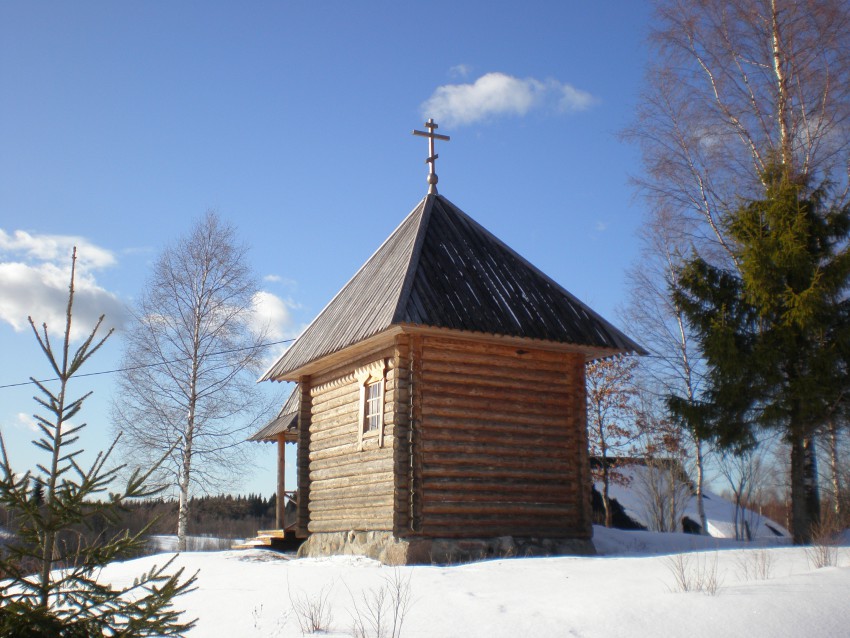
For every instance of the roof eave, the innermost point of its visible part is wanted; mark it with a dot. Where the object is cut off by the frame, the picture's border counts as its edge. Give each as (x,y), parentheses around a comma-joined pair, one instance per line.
(339,357)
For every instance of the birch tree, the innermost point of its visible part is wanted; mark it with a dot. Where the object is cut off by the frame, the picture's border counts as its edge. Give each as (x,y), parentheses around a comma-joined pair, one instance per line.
(190,362)
(735,88)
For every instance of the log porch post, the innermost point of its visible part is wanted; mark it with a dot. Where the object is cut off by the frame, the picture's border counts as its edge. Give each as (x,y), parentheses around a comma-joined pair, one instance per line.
(280,521)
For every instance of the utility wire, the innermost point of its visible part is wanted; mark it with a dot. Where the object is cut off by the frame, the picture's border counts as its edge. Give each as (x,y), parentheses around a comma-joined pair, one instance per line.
(147,365)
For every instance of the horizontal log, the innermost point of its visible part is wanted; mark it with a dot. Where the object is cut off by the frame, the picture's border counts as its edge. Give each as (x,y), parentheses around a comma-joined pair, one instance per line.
(495,516)
(396,395)
(393,419)
(564,496)
(353,457)
(381,520)
(473,462)
(435,409)
(322,502)
(351,406)
(514,378)
(497,511)
(329,445)
(351,469)
(475,357)
(345,435)
(378,525)
(547,399)
(505,407)
(494,448)
(376,481)
(503,435)
(355,489)
(493,349)
(471,526)
(502,529)
(373,514)
(322,431)
(508,486)
(499,385)
(558,435)
(333,396)
(478,472)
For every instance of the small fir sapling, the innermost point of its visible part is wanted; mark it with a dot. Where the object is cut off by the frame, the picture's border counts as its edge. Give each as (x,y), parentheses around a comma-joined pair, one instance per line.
(50,565)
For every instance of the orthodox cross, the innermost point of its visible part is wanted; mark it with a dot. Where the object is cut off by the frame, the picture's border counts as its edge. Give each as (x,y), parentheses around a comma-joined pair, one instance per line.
(432,156)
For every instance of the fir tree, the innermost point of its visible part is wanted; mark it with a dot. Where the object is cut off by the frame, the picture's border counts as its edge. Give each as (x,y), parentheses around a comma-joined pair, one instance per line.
(776,331)
(50,569)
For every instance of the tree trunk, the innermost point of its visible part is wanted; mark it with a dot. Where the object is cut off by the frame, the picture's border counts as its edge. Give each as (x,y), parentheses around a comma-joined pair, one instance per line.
(183,510)
(805,504)
(606,500)
(835,471)
(778,53)
(703,520)
(810,477)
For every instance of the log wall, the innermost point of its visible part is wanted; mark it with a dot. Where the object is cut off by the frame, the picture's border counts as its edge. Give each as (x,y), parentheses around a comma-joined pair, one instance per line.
(351,484)
(498,441)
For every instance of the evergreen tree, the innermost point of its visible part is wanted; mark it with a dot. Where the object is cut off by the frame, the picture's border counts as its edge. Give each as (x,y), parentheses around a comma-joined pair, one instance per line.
(775,332)
(50,569)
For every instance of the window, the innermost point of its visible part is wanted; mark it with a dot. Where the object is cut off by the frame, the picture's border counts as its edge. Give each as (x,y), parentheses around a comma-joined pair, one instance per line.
(373,407)
(371,419)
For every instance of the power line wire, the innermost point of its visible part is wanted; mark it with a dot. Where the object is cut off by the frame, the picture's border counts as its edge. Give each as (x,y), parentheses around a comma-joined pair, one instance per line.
(147,365)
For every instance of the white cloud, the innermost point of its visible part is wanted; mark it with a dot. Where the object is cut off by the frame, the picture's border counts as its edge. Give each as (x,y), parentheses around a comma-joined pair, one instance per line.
(35,271)
(601,227)
(272,315)
(26,421)
(460,71)
(498,94)
(273,278)
(55,248)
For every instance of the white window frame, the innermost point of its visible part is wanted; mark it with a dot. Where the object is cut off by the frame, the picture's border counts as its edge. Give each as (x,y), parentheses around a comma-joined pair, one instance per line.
(366,376)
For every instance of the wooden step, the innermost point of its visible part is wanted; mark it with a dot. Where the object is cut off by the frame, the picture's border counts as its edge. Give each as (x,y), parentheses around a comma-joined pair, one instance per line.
(278,539)
(251,543)
(272,533)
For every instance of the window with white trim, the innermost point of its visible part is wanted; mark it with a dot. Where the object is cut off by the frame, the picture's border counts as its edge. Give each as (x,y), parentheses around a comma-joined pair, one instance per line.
(371,418)
(374,409)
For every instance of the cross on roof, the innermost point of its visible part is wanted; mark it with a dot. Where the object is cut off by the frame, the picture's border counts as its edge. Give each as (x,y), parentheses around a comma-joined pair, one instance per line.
(432,156)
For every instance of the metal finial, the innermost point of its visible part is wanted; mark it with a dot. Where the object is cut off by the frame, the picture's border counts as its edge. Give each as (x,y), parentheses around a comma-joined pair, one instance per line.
(432,156)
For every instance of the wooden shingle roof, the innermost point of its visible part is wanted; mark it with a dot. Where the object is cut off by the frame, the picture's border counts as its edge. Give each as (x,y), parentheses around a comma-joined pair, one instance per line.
(286,421)
(440,268)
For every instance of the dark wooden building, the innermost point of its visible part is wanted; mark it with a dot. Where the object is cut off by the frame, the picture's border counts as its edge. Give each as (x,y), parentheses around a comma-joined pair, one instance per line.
(441,401)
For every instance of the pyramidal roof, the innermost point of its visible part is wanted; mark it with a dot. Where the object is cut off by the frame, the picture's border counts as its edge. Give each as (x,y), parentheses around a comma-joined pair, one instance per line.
(440,268)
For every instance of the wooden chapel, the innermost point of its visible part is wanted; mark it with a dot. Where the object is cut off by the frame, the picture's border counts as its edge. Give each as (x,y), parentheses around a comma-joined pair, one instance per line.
(440,401)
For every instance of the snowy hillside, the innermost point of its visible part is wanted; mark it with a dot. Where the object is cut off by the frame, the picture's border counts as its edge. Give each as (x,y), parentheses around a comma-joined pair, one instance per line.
(635,498)
(629,591)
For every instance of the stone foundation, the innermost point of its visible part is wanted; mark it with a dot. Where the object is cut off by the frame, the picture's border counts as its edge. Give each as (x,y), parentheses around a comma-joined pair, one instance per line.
(388,549)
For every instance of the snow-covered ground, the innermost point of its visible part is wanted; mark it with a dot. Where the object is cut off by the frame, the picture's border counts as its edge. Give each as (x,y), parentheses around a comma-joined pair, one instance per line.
(629,590)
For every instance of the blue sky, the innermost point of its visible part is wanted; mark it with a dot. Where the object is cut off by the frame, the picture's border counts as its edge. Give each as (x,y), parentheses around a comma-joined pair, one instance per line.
(121,123)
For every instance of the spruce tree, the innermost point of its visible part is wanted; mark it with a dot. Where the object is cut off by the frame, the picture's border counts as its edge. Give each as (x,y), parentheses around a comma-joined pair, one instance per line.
(50,568)
(775,332)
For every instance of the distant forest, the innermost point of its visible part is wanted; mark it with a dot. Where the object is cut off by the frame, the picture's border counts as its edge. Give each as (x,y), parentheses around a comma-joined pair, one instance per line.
(223,516)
